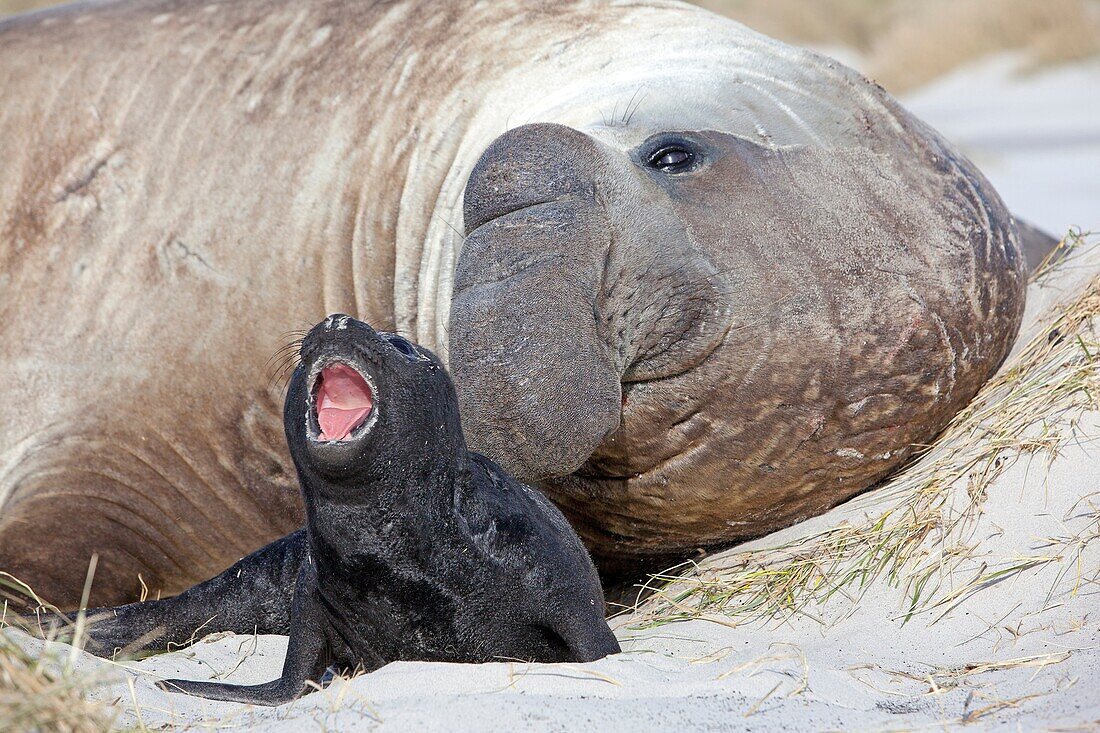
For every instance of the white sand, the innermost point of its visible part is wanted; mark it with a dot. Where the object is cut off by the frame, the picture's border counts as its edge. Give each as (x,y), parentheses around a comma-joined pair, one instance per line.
(853,663)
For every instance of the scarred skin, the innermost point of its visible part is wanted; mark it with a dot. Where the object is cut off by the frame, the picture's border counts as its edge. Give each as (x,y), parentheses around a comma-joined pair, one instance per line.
(414,548)
(683,356)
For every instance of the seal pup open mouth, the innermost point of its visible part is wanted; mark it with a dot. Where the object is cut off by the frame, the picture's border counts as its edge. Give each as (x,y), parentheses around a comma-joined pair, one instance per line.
(415,548)
(341,402)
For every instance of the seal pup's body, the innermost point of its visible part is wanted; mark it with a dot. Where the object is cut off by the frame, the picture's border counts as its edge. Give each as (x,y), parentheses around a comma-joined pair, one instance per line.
(414,548)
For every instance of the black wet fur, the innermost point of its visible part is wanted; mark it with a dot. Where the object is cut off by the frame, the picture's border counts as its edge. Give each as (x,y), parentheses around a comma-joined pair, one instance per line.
(414,548)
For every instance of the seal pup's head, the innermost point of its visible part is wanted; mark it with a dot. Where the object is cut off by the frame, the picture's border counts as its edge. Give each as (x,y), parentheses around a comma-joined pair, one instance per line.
(360,398)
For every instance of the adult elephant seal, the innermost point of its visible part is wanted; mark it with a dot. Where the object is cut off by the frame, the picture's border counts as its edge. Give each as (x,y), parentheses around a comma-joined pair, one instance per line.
(709,284)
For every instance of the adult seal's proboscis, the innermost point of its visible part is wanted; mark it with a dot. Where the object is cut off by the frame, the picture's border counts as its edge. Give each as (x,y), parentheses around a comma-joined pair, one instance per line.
(414,548)
(694,282)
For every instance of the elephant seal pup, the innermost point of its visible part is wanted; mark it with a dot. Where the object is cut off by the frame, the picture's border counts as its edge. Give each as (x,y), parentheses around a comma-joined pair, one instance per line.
(414,548)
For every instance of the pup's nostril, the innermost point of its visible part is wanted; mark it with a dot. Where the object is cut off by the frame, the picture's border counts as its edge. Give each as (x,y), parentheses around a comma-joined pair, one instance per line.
(337,322)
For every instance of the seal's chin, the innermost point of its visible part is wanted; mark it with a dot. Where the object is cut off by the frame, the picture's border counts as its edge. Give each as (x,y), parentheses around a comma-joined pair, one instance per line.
(341,404)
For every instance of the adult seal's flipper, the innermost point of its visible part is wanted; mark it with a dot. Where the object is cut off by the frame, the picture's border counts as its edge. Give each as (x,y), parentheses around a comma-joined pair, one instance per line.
(252,596)
(1035,243)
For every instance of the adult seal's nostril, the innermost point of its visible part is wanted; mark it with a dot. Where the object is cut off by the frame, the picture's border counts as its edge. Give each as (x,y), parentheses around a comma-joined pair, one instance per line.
(527,166)
(563,293)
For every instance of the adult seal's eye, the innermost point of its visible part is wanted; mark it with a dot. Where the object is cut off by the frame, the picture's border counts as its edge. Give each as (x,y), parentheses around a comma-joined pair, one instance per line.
(403,346)
(672,159)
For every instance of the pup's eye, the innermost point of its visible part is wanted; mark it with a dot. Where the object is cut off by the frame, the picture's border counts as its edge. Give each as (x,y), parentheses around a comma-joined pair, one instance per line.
(403,346)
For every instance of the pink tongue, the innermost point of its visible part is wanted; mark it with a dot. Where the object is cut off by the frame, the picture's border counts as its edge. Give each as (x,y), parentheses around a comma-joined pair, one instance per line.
(343,401)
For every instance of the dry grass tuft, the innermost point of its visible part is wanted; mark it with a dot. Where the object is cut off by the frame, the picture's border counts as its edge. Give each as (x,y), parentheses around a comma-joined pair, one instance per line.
(44,693)
(922,537)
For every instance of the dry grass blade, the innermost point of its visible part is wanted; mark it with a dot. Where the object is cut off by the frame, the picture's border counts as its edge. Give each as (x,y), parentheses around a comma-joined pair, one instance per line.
(922,536)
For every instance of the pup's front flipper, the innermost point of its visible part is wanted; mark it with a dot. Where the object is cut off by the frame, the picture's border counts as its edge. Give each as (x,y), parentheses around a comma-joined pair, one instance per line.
(307,656)
(276,692)
(253,596)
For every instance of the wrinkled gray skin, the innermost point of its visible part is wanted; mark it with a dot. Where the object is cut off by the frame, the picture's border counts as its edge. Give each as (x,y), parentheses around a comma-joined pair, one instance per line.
(717,357)
(684,357)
